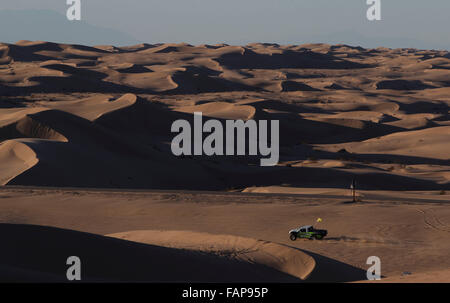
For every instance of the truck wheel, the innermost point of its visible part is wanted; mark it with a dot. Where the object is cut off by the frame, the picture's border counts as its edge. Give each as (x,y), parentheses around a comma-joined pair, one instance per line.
(293,237)
(318,237)
(311,238)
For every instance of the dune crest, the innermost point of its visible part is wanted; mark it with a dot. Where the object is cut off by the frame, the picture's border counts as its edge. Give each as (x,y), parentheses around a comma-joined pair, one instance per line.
(431,142)
(94,107)
(280,257)
(15,158)
(221,110)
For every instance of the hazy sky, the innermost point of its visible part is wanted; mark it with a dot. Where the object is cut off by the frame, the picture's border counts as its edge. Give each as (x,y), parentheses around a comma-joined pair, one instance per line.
(406,23)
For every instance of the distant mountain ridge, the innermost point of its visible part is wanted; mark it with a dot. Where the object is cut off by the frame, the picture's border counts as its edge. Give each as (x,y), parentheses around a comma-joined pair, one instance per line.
(47,25)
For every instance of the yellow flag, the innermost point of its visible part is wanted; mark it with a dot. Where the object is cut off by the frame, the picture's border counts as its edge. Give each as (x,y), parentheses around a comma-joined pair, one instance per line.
(319,219)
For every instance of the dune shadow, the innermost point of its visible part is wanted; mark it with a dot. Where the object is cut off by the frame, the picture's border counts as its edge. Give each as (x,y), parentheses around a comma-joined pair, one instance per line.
(317,177)
(425,107)
(403,85)
(287,59)
(195,80)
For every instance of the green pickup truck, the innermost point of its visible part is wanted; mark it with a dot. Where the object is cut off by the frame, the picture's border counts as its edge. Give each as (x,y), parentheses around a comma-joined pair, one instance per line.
(307,232)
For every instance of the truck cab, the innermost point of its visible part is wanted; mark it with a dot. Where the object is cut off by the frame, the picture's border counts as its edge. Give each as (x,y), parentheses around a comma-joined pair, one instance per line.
(307,232)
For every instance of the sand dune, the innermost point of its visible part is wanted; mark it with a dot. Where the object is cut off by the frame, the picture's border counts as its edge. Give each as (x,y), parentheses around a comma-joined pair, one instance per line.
(92,108)
(344,111)
(431,143)
(15,158)
(221,110)
(106,259)
(282,258)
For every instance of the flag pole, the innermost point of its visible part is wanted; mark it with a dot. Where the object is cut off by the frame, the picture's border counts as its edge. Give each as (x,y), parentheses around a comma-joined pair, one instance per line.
(354,190)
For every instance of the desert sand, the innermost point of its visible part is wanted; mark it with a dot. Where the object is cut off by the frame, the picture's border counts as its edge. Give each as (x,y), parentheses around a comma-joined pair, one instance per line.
(74,116)
(407,233)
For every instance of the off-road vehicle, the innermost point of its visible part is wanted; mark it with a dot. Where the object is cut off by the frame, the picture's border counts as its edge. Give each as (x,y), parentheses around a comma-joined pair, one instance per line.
(307,232)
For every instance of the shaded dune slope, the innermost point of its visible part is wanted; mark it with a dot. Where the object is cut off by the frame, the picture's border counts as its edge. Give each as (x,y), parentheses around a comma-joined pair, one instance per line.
(73,151)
